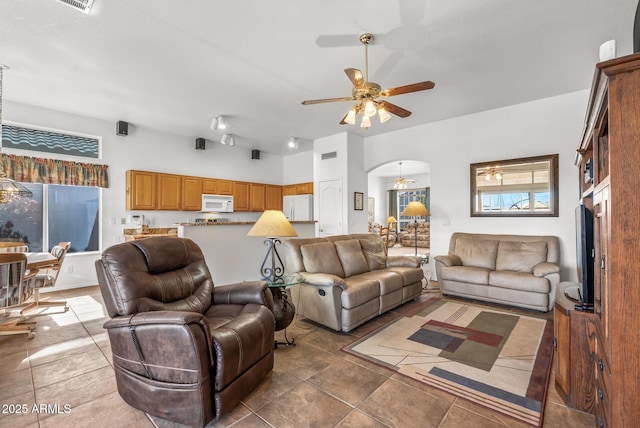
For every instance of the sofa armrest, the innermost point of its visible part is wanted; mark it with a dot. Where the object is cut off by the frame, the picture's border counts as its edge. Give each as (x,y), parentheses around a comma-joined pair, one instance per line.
(545,268)
(449,260)
(173,345)
(243,293)
(323,279)
(403,261)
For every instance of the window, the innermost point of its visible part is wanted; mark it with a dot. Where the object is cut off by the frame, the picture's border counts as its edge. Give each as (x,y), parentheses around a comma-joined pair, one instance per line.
(55,213)
(406,196)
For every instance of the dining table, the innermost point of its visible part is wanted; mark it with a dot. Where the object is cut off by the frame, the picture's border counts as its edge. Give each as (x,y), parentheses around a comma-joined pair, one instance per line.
(39,260)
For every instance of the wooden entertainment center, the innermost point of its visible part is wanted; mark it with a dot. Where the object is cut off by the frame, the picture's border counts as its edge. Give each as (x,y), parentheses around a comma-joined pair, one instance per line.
(600,351)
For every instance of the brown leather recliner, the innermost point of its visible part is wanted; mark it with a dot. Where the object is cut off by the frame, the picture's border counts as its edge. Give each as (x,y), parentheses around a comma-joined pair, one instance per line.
(183,350)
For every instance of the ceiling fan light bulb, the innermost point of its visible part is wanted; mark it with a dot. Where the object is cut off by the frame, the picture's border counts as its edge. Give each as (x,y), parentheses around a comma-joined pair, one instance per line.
(487,177)
(370,109)
(366,122)
(351,117)
(383,114)
(498,176)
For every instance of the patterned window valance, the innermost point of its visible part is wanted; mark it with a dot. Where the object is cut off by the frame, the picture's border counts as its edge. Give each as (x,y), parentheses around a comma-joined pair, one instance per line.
(20,137)
(50,171)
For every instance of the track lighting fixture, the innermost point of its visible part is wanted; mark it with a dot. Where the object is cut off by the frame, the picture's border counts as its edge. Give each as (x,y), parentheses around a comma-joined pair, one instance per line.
(219,123)
(228,139)
(293,143)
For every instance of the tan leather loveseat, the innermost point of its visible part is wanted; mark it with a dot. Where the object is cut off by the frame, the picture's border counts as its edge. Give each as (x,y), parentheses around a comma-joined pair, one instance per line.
(349,279)
(516,270)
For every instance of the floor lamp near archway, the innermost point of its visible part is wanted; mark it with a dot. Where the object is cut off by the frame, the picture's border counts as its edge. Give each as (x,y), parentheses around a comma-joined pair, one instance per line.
(415,209)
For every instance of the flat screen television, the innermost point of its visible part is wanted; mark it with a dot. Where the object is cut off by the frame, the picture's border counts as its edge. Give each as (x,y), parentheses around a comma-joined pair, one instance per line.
(585,254)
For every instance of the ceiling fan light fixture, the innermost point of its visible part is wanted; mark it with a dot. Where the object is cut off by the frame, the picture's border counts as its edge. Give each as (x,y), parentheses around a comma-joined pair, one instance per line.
(370,109)
(383,114)
(351,117)
(366,122)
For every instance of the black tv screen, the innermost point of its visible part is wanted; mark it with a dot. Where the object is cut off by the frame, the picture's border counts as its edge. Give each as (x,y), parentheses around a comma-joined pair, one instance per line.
(585,253)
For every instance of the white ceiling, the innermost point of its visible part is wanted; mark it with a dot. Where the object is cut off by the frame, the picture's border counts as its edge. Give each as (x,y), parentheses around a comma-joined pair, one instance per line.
(173,65)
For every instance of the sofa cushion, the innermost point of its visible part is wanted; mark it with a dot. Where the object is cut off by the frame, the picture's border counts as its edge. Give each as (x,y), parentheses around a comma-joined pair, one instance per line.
(480,253)
(374,252)
(520,256)
(389,281)
(519,281)
(321,258)
(351,257)
(360,289)
(410,275)
(473,275)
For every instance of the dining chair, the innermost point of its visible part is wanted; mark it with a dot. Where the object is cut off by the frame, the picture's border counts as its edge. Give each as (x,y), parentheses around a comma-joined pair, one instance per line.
(47,277)
(16,286)
(13,247)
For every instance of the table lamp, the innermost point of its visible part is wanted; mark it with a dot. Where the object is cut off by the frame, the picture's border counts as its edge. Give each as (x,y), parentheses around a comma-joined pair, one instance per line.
(272,224)
(415,209)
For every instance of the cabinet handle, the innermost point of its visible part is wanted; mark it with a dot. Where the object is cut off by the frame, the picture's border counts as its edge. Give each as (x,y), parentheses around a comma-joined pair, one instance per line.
(600,421)
(600,394)
(555,343)
(602,262)
(600,365)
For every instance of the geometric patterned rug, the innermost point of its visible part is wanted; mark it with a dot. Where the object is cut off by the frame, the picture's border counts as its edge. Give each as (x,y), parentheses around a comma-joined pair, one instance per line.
(498,359)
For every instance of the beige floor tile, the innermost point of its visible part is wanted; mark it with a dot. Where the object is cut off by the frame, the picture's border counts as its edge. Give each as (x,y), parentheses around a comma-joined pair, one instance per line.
(357,419)
(14,362)
(303,361)
(15,383)
(18,411)
(67,367)
(348,382)
(12,344)
(416,408)
(332,341)
(57,351)
(304,406)
(107,411)
(45,336)
(271,388)
(79,389)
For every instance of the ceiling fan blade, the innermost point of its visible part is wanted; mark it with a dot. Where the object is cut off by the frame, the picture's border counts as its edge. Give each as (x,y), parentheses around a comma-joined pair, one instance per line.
(355,76)
(415,87)
(392,108)
(337,40)
(342,122)
(327,100)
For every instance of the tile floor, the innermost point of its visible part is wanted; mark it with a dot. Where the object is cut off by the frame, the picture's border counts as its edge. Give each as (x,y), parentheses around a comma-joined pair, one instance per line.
(66,369)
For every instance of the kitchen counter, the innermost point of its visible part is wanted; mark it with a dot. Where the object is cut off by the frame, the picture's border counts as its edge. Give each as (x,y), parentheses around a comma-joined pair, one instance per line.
(231,255)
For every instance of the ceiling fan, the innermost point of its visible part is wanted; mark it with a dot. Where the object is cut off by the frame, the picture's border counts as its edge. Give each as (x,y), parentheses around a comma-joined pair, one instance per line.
(367,94)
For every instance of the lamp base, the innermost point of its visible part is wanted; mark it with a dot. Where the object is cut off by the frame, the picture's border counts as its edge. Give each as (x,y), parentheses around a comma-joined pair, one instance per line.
(274,272)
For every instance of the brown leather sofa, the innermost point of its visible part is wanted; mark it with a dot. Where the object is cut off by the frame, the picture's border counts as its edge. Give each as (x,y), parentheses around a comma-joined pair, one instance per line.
(349,279)
(183,350)
(516,270)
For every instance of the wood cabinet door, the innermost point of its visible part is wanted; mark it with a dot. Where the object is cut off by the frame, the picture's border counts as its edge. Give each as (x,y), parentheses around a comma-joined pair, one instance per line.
(216,186)
(191,193)
(141,190)
(169,192)
(257,195)
(288,190)
(304,188)
(273,197)
(562,355)
(240,196)
(602,288)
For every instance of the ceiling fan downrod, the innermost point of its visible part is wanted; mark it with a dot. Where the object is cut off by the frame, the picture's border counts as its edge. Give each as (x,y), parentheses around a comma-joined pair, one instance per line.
(365,39)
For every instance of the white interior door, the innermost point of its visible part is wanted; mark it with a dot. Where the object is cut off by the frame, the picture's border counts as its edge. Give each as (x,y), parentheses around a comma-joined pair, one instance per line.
(330,207)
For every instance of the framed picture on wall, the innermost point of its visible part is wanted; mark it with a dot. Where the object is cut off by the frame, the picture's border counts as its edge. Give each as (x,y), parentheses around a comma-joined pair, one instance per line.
(371,209)
(358,201)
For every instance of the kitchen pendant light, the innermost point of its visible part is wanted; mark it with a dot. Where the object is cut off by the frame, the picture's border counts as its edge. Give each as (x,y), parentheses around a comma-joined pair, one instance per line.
(9,189)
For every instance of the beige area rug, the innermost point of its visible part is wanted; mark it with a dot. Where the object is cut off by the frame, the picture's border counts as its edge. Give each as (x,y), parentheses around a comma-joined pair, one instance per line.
(498,359)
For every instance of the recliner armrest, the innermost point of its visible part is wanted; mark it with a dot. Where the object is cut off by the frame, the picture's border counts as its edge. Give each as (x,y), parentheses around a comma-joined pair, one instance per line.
(545,268)
(449,260)
(403,261)
(242,293)
(323,279)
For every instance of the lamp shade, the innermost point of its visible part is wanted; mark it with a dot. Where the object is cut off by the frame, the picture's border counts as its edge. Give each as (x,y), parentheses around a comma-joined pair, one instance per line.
(415,209)
(391,220)
(272,223)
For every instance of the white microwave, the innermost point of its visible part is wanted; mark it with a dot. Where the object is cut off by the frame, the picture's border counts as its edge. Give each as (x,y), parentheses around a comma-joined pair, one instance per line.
(217,204)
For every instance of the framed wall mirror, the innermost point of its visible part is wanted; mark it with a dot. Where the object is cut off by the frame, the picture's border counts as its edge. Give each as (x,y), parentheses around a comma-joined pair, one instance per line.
(524,187)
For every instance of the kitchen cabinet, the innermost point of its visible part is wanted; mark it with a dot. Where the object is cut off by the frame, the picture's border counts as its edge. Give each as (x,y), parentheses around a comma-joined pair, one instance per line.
(141,190)
(241,196)
(257,194)
(289,190)
(216,186)
(304,188)
(273,197)
(191,193)
(169,192)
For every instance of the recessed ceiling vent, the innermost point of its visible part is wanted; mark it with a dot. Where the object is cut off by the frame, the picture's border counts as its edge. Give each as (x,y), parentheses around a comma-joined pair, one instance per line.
(329,155)
(81,5)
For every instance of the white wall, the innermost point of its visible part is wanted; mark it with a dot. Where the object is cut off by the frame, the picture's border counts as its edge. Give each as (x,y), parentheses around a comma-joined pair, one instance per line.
(551,125)
(298,168)
(143,149)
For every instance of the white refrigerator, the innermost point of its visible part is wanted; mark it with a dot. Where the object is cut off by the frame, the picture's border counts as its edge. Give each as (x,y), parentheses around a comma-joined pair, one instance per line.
(298,207)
